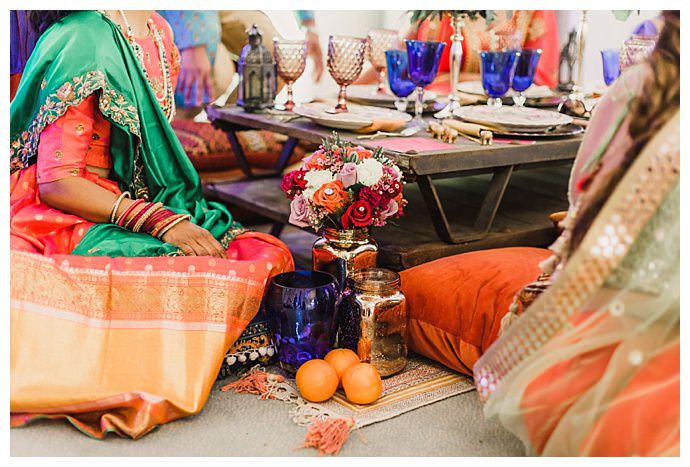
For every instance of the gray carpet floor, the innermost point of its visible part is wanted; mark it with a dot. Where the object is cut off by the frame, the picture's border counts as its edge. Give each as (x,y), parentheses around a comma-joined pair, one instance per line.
(242,425)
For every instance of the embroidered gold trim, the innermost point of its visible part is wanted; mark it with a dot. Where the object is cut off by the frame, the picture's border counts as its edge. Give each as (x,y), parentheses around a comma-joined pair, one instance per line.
(112,104)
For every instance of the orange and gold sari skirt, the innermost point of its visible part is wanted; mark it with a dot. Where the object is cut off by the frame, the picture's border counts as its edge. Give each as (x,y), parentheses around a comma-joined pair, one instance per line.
(125,344)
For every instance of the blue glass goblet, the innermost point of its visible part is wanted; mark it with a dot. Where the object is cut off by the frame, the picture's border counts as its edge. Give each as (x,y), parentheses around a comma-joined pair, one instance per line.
(301,311)
(399,77)
(423,58)
(524,74)
(497,73)
(610,59)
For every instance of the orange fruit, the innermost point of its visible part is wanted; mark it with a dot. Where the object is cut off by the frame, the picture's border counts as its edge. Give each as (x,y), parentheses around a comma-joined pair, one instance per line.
(341,360)
(316,380)
(362,384)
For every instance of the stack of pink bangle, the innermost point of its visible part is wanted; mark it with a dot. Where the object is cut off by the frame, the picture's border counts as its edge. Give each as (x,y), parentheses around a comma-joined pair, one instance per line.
(152,218)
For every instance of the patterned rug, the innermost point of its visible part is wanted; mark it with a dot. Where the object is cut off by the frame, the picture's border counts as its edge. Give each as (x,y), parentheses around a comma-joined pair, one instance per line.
(421,383)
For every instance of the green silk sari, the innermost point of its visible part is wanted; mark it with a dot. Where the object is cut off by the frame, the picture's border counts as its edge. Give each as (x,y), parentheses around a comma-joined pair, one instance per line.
(148,159)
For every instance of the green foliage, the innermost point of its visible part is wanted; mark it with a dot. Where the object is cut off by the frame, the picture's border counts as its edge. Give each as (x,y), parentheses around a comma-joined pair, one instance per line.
(622,15)
(420,15)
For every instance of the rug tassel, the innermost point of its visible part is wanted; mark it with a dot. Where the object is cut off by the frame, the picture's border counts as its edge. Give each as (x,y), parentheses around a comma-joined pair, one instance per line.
(256,381)
(329,435)
(509,317)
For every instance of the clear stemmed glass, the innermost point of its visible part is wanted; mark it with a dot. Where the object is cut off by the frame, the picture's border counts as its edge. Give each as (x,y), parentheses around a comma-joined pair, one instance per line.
(524,74)
(497,73)
(399,77)
(610,59)
(345,60)
(378,41)
(423,58)
(291,59)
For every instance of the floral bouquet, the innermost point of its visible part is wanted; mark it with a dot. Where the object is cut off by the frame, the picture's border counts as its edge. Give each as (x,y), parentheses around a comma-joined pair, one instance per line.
(344,187)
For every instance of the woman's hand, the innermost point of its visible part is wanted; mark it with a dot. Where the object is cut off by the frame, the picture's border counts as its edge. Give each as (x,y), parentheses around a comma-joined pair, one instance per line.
(314,51)
(195,79)
(194,240)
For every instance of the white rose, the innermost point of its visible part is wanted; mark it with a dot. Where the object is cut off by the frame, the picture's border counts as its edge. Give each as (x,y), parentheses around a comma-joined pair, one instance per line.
(369,171)
(308,193)
(316,178)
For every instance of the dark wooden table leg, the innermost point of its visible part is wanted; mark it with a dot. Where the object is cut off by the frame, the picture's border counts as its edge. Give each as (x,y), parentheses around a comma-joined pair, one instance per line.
(285,154)
(436,211)
(239,153)
(487,210)
(492,199)
(277,228)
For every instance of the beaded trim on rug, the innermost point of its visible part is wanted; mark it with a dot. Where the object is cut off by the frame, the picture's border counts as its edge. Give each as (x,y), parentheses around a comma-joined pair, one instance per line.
(234,361)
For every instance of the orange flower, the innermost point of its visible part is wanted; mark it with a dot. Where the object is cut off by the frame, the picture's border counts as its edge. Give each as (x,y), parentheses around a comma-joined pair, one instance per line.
(364,154)
(316,161)
(331,196)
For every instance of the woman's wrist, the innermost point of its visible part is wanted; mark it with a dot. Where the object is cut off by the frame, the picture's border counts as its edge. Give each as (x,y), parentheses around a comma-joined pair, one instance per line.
(171,224)
(116,205)
(141,216)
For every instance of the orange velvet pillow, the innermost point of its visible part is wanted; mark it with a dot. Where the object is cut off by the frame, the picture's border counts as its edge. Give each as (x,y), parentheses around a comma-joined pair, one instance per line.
(456,303)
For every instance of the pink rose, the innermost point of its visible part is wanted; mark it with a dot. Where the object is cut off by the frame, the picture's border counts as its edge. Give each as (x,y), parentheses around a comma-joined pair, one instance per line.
(348,174)
(393,172)
(390,211)
(299,212)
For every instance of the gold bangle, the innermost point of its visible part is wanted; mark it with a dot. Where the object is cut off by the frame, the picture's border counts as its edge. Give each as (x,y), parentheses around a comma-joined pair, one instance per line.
(163,223)
(146,215)
(116,205)
(173,224)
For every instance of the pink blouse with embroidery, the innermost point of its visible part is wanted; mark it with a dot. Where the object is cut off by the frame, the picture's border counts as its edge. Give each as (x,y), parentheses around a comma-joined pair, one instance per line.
(81,137)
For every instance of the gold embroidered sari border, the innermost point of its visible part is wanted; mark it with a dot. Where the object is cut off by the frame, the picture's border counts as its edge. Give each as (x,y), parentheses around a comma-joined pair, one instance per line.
(633,203)
(71,93)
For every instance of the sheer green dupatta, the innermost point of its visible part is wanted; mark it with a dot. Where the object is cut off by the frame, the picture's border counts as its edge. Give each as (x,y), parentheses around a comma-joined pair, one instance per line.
(86,53)
(585,349)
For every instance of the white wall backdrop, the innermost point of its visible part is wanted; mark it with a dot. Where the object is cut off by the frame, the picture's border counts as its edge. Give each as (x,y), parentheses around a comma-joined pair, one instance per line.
(604,31)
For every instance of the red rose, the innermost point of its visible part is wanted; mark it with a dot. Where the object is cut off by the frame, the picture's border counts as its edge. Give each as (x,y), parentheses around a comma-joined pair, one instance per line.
(357,215)
(293,183)
(375,199)
(299,180)
(393,189)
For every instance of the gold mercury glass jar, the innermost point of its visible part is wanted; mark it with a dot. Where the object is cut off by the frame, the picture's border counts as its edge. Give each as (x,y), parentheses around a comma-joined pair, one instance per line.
(340,252)
(373,319)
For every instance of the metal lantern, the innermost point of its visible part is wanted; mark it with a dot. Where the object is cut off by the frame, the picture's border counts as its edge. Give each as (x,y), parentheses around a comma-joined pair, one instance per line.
(257,70)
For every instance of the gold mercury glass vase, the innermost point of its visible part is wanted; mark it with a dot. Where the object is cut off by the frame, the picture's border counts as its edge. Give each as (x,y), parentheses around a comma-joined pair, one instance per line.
(339,252)
(372,319)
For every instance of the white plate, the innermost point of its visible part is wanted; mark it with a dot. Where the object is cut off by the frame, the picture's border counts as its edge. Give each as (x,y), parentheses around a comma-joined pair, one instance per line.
(364,93)
(533,92)
(513,118)
(358,116)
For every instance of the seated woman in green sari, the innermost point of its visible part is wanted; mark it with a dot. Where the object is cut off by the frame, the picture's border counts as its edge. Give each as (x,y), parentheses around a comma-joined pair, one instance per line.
(127,286)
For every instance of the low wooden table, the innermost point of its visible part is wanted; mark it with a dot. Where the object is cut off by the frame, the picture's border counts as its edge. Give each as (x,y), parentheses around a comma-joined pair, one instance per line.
(455,194)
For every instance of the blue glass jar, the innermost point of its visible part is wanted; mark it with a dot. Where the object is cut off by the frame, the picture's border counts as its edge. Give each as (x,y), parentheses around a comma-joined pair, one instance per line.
(301,310)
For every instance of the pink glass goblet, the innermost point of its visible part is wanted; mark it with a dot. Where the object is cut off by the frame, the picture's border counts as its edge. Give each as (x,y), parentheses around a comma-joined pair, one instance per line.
(345,60)
(378,41)
(291,59)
